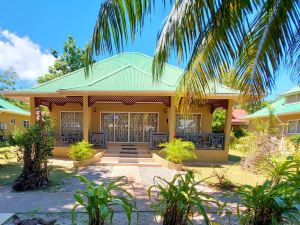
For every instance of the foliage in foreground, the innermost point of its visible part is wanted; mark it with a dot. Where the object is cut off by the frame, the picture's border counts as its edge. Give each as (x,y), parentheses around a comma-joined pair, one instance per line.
(81,151)
(99,200)
(277,200)
(178,150)
(35,145)
(179,200)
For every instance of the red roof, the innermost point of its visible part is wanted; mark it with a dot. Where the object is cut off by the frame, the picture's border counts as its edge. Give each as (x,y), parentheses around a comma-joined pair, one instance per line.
(237,114)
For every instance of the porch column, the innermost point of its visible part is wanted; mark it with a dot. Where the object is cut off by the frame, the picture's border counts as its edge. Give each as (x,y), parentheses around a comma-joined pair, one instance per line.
(171,119)
(227,127)
(86,117)
(32,110)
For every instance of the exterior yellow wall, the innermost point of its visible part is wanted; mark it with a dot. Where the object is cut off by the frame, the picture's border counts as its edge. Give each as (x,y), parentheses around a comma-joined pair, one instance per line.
(206,120)
(5,119)
(283,118)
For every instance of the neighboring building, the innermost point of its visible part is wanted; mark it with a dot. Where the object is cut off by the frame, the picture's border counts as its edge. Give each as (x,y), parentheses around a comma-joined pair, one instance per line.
(120,103)
(237,118)
(11,117)
(286,109)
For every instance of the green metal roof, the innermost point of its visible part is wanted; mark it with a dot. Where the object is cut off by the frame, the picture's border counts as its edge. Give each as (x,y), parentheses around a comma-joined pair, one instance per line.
(122,72)
(6,106)
(279,108)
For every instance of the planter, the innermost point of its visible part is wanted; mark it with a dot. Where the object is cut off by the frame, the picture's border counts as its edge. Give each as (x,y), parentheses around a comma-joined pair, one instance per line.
(88,162)
(165,163)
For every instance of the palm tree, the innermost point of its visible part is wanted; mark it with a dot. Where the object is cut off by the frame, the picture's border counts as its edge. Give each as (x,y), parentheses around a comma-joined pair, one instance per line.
(252,37)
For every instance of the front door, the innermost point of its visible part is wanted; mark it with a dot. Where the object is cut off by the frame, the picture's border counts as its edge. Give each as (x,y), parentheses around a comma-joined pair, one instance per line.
(129,127)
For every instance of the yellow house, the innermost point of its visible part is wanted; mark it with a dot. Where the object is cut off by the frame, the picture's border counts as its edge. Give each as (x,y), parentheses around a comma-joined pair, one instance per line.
(286,110)
(11,117)
(120,105)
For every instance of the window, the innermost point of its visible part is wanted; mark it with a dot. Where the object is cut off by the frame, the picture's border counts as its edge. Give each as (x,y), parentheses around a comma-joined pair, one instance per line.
(13,121)
(26,123)
(71,121)
(188,123)
(293,127)
(292,99)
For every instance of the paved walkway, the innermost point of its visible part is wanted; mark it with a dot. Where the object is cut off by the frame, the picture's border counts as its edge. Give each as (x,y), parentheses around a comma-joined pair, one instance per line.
(61,199)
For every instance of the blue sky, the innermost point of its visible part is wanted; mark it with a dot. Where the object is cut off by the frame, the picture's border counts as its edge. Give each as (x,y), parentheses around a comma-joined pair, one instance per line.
(41,25)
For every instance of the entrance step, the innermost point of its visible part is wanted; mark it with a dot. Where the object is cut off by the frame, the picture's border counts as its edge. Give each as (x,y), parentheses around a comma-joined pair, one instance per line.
(127,161)
(137,155)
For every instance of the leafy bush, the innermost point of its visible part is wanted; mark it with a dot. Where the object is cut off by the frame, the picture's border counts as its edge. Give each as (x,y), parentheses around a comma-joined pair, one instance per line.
(179,200)
(35,146)
(277,200)
(81,151)
(222,182)
(177,150)
(218,120)
(4,144)
(239,132)
(259,146)
(100,202)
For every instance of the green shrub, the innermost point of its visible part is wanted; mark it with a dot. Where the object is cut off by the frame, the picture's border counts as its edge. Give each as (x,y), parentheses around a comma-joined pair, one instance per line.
(240,132)
(179,200)
(177,150)
(100,202)
(81,151)
(277,200)
(4,144)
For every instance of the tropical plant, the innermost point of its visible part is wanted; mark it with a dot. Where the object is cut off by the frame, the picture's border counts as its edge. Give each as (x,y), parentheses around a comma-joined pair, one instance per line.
(99,200)
(180,199)
(214,36)
(218,120)
(81,151)
(222,181)
(276,201)
(178,150)
(35,145)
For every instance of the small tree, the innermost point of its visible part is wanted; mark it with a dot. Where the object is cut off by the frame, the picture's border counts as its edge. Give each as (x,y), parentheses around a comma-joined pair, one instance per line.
(36,144)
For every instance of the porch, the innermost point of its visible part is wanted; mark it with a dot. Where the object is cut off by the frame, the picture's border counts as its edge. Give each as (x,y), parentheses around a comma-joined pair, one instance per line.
(202,141)
(147,120)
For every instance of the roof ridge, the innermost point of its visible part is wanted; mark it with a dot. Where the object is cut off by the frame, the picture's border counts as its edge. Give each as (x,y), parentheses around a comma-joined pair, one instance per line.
(152,77)
(101,78)
(115,72)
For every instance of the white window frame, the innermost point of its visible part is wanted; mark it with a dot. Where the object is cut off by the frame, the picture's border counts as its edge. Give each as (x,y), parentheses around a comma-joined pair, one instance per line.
(14,121)
(287,130)
(27,123)
(69,112)
(200,125)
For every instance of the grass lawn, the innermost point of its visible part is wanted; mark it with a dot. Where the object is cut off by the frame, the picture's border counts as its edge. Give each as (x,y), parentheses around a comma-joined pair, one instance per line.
(10,169)
(233,172)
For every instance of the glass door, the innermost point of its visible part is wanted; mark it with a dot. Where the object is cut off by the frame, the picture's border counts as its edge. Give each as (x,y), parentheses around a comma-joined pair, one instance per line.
(121,127)
(136,127)
(107,125)
(129,127)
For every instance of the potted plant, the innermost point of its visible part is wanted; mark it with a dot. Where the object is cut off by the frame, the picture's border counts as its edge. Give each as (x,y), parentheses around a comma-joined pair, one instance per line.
(83,154)
(175,152)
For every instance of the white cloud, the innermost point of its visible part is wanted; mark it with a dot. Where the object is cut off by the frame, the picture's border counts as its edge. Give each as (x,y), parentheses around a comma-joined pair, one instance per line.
(24,55)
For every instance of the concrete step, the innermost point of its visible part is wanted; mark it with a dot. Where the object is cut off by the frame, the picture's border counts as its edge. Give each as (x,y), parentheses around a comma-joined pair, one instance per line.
(138,155)
(127,164)
(126,159)
(119,150)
